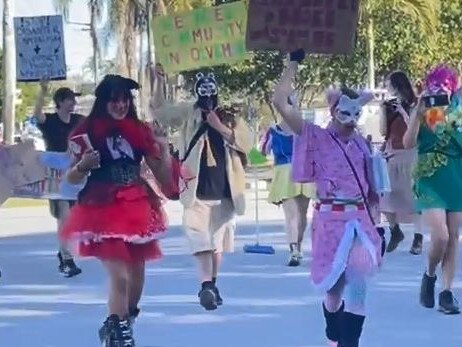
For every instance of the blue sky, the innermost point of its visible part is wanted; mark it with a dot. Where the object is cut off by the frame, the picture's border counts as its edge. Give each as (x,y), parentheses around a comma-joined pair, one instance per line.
(78,42)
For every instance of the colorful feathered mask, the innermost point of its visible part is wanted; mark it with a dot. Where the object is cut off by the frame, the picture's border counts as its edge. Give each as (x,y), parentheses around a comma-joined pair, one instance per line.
(441,81)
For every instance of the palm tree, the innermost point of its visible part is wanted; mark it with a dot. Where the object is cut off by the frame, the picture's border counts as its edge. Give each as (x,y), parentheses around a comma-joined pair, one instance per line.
(96,9)
(423,12)
(9,73)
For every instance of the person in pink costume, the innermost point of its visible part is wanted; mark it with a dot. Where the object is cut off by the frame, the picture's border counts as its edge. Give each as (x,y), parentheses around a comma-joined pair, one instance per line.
(346,245)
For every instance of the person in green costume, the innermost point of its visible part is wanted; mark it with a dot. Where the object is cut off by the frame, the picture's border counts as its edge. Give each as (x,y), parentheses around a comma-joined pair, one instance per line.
(437,133)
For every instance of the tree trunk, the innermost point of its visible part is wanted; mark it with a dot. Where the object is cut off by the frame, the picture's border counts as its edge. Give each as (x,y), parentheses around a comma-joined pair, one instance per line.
(121,57)
(9,73)
(130,40)
(370,52)
(149,17)
(142,97)
(94,41)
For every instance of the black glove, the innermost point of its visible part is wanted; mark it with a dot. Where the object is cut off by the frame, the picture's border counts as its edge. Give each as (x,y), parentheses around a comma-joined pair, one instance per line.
(297,55)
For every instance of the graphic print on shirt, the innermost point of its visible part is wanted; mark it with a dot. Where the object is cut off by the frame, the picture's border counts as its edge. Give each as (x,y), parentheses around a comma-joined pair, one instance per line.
(119,147)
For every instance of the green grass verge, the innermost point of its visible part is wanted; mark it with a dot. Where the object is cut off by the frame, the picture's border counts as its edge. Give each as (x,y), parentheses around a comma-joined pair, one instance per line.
(14,203)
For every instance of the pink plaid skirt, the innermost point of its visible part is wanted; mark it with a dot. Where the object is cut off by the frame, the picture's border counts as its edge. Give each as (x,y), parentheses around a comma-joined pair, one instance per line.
(343,239)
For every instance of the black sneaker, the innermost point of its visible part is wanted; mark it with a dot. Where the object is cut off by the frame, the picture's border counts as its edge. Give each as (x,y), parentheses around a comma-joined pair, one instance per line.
(217,295)
(447,303)
(396,237)
(294,259)
(417,243)
(67,267)
(427,291)
(116,333)
(207,296)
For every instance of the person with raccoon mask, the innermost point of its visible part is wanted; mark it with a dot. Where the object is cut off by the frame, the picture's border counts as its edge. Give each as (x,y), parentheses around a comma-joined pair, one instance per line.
(213,146)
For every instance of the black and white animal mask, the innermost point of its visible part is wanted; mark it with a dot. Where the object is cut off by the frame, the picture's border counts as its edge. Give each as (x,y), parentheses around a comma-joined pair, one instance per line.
(206,90)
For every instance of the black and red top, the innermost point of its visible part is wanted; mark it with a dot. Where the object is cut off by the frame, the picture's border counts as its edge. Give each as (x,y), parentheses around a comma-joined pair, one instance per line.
(122,145)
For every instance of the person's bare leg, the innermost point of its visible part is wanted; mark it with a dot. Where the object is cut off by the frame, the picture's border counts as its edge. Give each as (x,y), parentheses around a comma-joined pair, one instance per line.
(207,295)
(205,265)
(136,278)
(435,220)
(449,262)
(118,285)
(446,302)
(290,209)
(417,242)
(217,259)
(63,213)
(117,327)
(391,219)
(302,204)
(396,234)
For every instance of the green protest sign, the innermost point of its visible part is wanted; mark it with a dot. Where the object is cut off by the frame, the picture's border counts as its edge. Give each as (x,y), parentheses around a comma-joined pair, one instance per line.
(202,37)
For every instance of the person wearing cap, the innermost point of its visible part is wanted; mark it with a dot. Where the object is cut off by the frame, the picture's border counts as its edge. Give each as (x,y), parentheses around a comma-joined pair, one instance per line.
(55,128)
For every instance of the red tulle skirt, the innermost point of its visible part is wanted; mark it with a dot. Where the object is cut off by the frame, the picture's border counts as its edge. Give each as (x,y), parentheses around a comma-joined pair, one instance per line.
(126,229)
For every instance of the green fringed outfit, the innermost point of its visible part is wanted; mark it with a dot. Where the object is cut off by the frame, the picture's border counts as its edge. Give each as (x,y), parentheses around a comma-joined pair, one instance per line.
(438,174)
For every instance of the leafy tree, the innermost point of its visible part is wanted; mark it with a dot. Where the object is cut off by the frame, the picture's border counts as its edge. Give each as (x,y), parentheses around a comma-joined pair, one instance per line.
(423,13)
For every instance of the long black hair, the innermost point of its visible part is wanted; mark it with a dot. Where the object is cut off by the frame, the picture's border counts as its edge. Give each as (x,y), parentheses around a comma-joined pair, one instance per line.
(400,82)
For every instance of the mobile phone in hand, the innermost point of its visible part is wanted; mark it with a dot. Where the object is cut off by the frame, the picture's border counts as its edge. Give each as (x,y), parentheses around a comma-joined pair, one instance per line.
(439,100)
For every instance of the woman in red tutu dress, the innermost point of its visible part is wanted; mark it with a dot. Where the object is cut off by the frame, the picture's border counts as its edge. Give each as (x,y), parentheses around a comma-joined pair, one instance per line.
(118,218)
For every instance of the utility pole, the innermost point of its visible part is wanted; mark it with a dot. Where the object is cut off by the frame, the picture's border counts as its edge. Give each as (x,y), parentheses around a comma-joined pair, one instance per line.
(9,73)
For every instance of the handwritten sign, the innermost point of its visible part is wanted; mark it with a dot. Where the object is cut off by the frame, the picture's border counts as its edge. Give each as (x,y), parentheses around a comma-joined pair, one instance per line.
(48,188)
(52,185)
(203,37)
(318,26)
(39,48)
(19,165)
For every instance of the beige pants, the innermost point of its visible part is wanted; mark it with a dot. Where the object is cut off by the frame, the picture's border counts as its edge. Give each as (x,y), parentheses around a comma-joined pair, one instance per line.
(210,226)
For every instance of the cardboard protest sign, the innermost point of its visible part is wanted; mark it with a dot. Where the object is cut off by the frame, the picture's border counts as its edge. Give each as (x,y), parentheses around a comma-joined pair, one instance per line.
(318,26)
(202,37)
(39,48)
(53,184)
(20,164)
(6,189)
